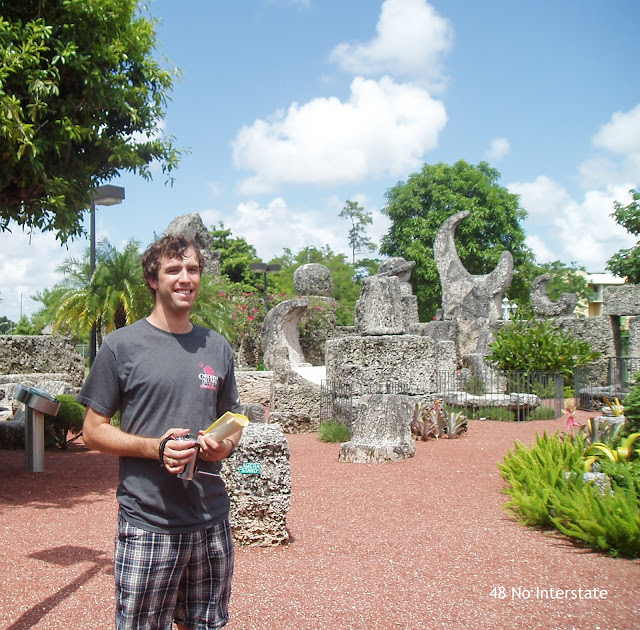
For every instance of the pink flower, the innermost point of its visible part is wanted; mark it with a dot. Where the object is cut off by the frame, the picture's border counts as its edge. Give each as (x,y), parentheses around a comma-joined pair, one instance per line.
(571,421)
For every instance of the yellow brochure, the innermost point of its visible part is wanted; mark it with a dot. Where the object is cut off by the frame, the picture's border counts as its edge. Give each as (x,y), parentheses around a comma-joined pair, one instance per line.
(227,424)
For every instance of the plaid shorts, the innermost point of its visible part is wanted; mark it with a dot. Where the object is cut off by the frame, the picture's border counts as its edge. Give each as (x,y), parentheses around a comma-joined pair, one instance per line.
(165,577)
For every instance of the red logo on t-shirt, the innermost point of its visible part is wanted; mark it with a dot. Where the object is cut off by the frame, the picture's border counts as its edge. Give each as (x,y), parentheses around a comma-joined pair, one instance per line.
(208,379)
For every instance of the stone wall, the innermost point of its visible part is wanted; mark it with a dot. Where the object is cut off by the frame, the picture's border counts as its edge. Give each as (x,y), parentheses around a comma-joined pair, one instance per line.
(408,359)
(258,479)
(254,386)
(621,300)
(29,354)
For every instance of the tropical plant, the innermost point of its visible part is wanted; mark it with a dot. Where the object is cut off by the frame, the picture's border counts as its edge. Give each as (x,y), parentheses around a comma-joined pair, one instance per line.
(547,488)
(69,419)
(81,99)
(539,346)
(631,404)
(616,407)
(533,473)
(623,453)
(601,430)
(455,424)
(113,297)
(608,521)
(427,422)
(333,432)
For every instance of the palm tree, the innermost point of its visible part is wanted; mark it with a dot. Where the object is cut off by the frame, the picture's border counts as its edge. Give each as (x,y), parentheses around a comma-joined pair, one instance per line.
(113,297)
(117,295)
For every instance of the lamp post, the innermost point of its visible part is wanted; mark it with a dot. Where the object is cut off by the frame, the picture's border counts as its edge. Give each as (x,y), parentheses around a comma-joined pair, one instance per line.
(508,308)
(264,269)
(107,195)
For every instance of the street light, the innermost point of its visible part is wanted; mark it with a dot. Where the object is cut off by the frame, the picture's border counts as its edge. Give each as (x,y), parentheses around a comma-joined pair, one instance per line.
(106,195)
(265,269)
(508,308)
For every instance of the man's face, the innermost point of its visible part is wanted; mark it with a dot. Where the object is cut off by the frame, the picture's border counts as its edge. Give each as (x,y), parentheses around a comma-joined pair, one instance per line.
(178,282)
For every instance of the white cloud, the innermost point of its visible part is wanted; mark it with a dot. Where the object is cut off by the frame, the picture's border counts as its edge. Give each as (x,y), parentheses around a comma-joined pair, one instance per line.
(383,129)
(27,266)
(562,228)
(275,226)
(498,149)
(542,253)
(622,134)
(619,158)
(411,39)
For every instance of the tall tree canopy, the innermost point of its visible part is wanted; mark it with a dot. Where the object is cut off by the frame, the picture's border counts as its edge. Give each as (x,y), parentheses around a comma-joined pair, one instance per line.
(235,255)
(81,98)
(418,207)
(626,263)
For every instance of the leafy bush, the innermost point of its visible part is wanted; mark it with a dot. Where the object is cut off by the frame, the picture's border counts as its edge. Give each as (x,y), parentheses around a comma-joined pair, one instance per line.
(631,403)
(609,521)
(495,413)
(547,488)
(533,473)
(474,385)
(333,432)
(68,420)
(541,413)
(539,346)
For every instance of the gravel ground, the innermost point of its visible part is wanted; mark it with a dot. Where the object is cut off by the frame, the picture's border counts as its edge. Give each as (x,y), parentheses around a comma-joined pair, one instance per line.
(420,544)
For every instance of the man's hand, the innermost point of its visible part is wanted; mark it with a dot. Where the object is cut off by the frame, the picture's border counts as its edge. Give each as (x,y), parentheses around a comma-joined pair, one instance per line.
(213,451)
(176,453)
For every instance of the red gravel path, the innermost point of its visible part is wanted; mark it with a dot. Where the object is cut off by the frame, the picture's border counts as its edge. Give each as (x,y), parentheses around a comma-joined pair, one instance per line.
(418,544)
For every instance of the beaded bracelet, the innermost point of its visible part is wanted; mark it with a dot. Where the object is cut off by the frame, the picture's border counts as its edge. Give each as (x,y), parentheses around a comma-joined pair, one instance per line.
(163,445)
(233,446)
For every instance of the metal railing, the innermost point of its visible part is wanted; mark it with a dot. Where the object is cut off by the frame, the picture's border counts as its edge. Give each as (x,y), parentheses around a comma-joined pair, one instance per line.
(609,379)
(493,395)
(337,399)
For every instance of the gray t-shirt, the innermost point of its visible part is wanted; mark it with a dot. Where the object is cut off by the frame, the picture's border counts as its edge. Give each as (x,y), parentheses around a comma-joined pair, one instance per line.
(159,380)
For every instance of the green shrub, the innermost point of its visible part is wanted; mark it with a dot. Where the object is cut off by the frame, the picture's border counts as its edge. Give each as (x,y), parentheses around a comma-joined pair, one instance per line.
(333,432)
(631,403)
(539,346)
(68,420)
(474,385)
(541,413)
(547,489)
(609,521)
(495,413)
(533,473)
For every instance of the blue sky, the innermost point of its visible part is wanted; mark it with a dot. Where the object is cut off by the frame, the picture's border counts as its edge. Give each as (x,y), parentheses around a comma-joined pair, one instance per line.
(289,108)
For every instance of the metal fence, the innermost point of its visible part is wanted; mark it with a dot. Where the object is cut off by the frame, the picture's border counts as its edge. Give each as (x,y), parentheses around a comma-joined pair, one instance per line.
(609,379)
(337,399)
(494,395)
(498,395)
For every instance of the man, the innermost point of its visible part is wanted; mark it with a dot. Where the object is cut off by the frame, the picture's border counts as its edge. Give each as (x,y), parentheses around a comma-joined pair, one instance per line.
(167,377)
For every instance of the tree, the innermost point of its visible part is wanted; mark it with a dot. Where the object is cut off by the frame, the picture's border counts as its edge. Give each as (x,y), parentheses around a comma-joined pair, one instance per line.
(357,237)
(6,325)
(235,255)
(626,263)
(81,99)
(418,207)
(113,297)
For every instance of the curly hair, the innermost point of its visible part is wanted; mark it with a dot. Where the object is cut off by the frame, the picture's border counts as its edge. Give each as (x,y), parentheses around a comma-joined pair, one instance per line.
(167,247)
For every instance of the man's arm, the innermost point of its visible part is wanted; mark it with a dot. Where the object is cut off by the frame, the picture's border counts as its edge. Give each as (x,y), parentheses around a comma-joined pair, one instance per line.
(98,433)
